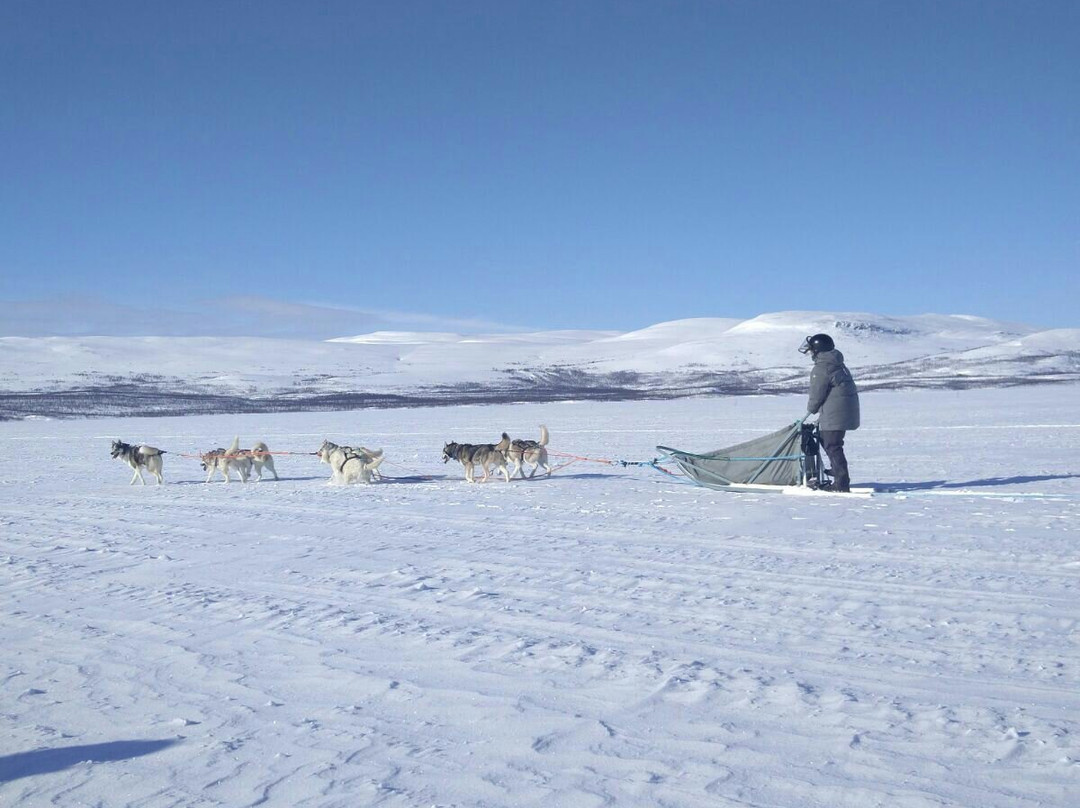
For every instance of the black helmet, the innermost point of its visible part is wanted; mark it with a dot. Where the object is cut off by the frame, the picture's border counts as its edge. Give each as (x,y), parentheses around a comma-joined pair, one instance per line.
(817,344)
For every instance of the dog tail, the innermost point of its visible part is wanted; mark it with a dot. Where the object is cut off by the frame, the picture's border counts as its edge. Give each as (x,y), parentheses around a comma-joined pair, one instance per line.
(503,446)
(543,435)
(234,448)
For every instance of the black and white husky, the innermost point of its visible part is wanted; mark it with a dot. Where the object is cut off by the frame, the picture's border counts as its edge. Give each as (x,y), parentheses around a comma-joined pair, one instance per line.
(139,457)
(484,455)
(528,451)
(350,463)
(226,460)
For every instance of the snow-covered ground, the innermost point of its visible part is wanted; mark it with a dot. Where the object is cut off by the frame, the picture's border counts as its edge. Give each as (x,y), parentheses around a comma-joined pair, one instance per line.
(606,636)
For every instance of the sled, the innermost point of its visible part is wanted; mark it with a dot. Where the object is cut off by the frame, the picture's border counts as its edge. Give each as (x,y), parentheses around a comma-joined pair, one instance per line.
(780,462)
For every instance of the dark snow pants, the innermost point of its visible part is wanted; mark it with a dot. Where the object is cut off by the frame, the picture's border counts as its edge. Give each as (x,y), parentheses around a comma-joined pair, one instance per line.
(833,444)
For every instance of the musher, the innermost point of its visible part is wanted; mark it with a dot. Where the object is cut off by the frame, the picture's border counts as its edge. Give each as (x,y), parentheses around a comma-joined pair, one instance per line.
(832,394)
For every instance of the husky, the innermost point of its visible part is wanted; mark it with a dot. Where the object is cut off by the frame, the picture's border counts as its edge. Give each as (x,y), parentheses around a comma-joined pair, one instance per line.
(349,464)
(260,459)
(528,451)
(484,455)
(139,457)
(224,460)
(334,454)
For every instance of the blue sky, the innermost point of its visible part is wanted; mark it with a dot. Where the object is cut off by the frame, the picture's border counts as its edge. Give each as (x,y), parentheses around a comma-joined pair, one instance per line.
(535,165)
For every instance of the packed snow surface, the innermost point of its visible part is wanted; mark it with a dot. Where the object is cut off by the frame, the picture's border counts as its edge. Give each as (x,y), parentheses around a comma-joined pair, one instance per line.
(608,636)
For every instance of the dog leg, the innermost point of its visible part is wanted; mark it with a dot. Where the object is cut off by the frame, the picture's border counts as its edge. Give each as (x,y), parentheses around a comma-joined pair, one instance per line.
(268,463)
(135,476)
(506,473)
(373,466)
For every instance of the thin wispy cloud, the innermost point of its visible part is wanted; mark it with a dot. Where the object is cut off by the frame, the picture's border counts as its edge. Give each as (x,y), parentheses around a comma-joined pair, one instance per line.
(249,316)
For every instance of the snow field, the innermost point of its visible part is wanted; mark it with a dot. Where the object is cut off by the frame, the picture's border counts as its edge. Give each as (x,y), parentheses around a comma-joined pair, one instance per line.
(606,636)
(936,346)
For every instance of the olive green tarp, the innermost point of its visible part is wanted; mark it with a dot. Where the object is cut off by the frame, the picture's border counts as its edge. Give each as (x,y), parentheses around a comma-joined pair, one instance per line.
(774,459)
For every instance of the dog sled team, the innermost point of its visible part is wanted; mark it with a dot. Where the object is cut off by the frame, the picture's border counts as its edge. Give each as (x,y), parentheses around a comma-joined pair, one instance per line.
(495,456)
(242,461)
(348,464)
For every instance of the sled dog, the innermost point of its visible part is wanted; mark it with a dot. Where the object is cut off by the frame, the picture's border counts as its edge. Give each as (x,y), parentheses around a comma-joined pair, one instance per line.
(226,460)
(528,451)
(260,459)
(484,455)
(348,463)
(139,457)
(370,456)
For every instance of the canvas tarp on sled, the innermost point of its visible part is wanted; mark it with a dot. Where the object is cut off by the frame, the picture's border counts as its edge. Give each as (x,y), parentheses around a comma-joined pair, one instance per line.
(774,459)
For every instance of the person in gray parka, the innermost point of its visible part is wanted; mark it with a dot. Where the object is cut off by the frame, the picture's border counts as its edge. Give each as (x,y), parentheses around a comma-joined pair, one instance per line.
(832,394)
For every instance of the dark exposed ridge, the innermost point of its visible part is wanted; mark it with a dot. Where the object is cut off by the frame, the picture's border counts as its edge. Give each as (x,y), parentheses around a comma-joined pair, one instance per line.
(148,396)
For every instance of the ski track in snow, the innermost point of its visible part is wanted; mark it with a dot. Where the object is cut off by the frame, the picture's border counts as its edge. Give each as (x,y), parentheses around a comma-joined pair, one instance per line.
(604,637)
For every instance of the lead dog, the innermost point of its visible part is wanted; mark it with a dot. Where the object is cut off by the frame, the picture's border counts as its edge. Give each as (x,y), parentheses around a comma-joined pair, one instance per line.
(528,451)
(484,455)
(139,457)
(349,464)
(226,460)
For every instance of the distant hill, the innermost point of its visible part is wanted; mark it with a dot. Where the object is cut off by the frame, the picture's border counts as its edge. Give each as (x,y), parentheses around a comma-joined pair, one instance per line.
(80,376)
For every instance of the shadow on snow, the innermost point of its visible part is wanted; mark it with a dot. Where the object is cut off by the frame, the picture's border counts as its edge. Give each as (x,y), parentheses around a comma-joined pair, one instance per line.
(249,482)
(47,761)
(986,482)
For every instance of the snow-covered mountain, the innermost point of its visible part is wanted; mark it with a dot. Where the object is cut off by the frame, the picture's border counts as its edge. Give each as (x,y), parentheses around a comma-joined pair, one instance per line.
(86,375)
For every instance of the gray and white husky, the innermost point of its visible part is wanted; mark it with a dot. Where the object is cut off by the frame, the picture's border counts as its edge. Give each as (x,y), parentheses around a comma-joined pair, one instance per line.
(139,458)
(226,460)
(350,463)
(484,455)
(528,451)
